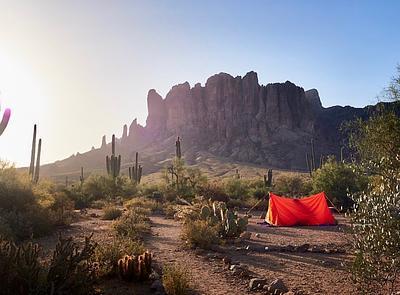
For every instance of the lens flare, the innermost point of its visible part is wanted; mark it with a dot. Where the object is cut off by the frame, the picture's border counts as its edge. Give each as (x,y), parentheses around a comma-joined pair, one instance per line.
(4,121)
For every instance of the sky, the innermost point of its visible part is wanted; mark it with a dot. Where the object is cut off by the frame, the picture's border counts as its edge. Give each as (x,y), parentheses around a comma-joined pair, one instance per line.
(82,69)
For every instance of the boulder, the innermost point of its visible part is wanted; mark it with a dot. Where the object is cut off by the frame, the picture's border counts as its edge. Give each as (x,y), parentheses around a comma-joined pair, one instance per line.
(257,284)
(278,285)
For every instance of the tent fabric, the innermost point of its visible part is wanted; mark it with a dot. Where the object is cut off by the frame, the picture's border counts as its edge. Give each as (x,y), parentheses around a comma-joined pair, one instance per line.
(312,210)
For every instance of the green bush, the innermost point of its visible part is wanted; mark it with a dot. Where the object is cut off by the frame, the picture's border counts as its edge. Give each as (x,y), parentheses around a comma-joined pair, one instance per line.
(199,233)
(61,209)
(236,188)
(176,280)
(21,212)
(376,228)
(81,200)
(292,185)
(111,213)
(338,181)
(144,202)
(133,223)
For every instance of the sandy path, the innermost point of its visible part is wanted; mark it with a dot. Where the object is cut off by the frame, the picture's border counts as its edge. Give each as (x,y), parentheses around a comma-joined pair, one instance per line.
(208,277)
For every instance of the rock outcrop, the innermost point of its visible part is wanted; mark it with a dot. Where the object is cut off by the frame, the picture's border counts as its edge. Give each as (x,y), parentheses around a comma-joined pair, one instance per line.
(230,117)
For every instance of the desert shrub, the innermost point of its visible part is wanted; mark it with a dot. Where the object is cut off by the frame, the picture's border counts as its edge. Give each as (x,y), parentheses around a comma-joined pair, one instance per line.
(182,181)
(376,218)
(71,270)
(98,187)
(257,189)
(133,224)
(81,200)
(339,181)
(111,213)
(144,202)
(176,280)
(99,204)
(236,188)
(107,254)
(148,190)
(214,192)
(20,209)
(376,228)
(292,185)
(19,268)
(169,210)
(61,209)
(199,233)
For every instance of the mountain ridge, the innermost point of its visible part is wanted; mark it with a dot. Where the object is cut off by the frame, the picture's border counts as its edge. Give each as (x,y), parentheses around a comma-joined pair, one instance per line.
(234,118)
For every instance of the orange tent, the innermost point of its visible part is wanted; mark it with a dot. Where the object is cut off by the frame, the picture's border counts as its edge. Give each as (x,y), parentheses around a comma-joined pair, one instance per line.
(312,210)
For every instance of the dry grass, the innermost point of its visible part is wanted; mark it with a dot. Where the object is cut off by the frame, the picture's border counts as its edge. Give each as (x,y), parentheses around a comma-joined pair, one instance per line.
(198,233)
(111,213)
(176,280)
(143,202)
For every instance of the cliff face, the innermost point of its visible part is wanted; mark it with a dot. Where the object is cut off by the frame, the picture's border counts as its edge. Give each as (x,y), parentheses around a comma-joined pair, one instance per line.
(237,118)
(231,117)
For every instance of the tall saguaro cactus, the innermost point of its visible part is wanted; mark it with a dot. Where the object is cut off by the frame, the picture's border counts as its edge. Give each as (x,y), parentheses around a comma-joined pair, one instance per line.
(37,169)
(81,178)
(113,163)
(310,159)
(5,120)
(135,172)
(34,171)
(33,151)
(178,148)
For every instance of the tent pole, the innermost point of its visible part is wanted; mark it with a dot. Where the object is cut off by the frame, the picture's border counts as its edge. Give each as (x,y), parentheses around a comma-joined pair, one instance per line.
(259,201)
(332,204)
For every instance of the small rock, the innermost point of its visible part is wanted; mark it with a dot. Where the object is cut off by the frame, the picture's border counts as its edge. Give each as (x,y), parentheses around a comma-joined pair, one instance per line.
(233,266)
(245,235)
(257,235)
(226,260)
(257,284)
(157,286)
(278,285)
(154,276)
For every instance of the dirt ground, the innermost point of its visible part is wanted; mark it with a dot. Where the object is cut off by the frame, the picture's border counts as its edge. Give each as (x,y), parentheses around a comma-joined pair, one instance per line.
(305,273)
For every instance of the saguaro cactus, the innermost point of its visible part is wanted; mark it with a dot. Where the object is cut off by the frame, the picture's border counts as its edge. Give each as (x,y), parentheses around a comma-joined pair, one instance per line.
(310,159)
(178,148)
(5,120)
(113,163)
(37,169)
(268,178)
(33,151)
(81,178)
(237,175)
(34,171)
(135,172)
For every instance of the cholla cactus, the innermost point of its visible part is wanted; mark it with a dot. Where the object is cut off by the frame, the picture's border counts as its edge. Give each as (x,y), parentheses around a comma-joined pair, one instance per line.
(5,120)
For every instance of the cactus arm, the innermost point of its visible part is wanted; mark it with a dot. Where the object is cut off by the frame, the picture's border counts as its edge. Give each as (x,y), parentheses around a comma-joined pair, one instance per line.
(37,170)
(33,151)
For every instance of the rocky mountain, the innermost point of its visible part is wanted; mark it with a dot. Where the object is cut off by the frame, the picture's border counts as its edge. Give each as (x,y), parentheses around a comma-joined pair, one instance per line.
(234,118)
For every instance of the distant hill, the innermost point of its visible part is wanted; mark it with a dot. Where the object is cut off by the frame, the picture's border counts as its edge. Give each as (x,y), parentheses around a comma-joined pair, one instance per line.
(229,119)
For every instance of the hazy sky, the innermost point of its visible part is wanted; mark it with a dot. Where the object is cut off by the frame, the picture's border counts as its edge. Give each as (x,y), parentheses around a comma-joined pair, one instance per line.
(81,69)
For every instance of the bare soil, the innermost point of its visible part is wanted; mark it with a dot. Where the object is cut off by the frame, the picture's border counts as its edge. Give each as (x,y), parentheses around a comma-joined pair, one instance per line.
(305,273)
